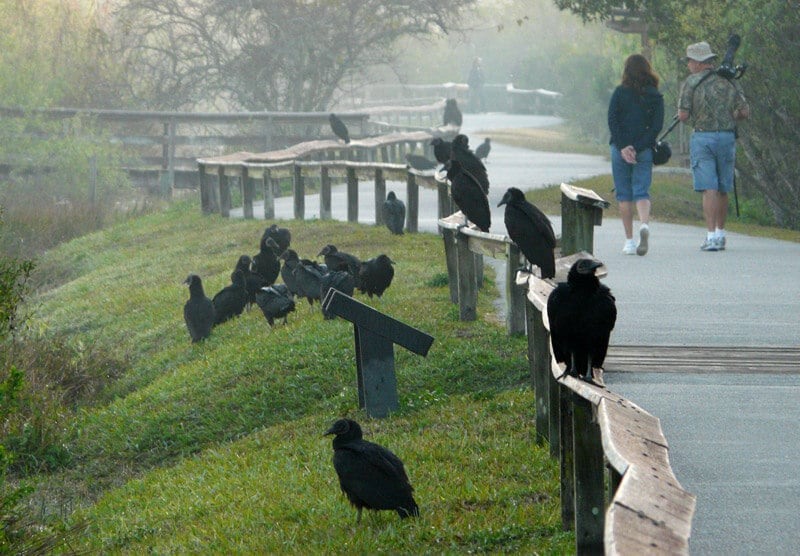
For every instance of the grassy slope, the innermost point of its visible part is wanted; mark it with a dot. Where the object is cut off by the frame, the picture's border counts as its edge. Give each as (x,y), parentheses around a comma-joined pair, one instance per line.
(218,445)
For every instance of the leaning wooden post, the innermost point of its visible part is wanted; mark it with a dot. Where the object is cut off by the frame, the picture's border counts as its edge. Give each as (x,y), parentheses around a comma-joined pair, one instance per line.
(269,195)
(581,211)
(325,194)
(299,192)
(380,196)
(247,193)
(224,192)
(352,195)
(589,479)
(445,203)
(412,212)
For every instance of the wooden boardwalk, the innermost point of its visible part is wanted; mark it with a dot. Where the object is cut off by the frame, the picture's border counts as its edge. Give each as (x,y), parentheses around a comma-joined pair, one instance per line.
(703,359)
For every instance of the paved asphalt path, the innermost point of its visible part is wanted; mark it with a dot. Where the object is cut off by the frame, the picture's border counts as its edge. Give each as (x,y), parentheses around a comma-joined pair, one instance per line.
(734,437)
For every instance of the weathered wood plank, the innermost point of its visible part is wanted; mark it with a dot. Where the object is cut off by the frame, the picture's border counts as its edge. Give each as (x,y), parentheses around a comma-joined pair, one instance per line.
(701,359)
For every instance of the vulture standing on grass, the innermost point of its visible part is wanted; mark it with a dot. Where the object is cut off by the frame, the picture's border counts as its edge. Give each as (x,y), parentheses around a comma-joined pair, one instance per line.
(252,281)
(231,300)
(339,129)
(266,263)
(339,260)
(582,313)
(281,236)
(394,213)
(470,163)
(198,311)
(308,276)
(274,303)
(290,262)
(376,275)
(531,230)
(452,114)
(469,196)
(482,152)
(370,476)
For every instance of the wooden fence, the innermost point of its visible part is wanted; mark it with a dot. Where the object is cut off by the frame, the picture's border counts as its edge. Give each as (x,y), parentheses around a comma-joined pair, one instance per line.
(637,506)
(375,158)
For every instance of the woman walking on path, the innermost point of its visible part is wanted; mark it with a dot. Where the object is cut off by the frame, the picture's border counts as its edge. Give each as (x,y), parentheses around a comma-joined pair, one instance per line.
(635,117)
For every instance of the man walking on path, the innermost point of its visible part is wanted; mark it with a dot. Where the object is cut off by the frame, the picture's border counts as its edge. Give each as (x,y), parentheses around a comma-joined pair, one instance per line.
(714,104)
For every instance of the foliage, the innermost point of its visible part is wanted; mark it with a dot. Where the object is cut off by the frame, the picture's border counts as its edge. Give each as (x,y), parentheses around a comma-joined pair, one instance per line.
(769,30)
(271,55)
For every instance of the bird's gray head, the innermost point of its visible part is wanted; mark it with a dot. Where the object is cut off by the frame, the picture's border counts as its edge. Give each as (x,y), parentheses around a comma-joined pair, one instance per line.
(384,259)
(327,250)
(345,428)
(585,267)
(461,140)
(511,194)
(391,196)
(436,141)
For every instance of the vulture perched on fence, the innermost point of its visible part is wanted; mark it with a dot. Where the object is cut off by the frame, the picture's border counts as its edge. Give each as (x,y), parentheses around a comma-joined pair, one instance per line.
(531,230)
(339,129)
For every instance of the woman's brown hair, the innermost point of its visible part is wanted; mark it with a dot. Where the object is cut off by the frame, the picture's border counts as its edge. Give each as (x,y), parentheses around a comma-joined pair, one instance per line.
(638,73)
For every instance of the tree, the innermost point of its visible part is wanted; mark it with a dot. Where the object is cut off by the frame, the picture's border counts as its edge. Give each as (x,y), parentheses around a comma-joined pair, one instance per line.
(289,55)
(768,142)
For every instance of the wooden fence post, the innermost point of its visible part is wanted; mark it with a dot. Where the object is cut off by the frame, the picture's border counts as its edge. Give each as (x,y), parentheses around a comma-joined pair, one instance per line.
(269,196)
(566,455)
(352,195)
(581,211)
(299,191)
(224,193)
(247,193)
(205,189)
(515,295)
(589,479)
(539,359)
(451,258)
(380,196)
(325,194)
(467,280)
(412,214)
(445,202)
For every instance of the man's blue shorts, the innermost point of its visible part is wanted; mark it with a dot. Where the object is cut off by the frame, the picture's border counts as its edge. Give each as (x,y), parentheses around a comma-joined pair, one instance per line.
(713,157)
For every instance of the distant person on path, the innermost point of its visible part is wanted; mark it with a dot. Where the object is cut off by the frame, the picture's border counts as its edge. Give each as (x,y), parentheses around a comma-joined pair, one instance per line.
(477,103)
(635,117)
(713,104)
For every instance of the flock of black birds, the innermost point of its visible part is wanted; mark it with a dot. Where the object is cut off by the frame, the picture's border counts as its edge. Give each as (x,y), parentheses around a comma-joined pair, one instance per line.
(581,311)
(253,282)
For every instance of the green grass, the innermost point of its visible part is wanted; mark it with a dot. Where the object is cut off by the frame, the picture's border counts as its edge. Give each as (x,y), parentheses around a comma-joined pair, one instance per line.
(217,447)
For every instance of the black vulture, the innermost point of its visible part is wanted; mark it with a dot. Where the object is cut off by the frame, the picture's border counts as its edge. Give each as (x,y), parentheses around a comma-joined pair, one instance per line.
(376,275)
(441,150)
(370,476)
(308,276)
(582,313)
(252,281)
(531,230)
(482,152)
(274,303)
(469,196)
(290,262)
(338,280)
(339,260)
(266,263)
(470,163)
(281,236)
(452,114)
(339,129)
(231,300)
(198,311)
(394,213)
(419,162)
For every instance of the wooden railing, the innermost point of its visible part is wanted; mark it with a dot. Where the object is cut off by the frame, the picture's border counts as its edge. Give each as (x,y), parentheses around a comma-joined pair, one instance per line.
(639,507)
(376,158)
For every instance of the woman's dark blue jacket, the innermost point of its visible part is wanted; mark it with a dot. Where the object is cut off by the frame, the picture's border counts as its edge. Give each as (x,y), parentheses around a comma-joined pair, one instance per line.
(635,119)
